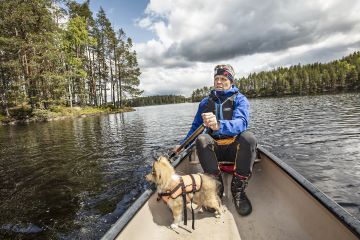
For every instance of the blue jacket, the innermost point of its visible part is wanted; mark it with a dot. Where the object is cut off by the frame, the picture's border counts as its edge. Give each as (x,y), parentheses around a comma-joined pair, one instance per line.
(240,119)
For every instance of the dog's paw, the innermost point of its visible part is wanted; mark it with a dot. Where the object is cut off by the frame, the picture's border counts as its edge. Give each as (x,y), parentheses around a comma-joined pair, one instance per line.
(174,226)
(218,213)
(198,210)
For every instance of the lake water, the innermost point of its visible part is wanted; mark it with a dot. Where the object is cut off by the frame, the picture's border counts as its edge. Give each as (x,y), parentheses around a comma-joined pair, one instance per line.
(73,178)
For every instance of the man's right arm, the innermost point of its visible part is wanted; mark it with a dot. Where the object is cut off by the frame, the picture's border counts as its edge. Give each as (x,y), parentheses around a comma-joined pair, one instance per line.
(197,119)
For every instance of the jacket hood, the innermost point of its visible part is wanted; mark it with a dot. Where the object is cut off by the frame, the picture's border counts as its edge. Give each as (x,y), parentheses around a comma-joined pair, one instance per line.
(222,95)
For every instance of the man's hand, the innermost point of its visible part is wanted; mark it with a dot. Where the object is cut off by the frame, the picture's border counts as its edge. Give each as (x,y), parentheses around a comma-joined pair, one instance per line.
(210,121)
(175,148)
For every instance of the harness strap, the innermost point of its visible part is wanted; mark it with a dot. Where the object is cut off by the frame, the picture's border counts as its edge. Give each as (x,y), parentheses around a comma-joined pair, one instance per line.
(183,188)
(169,193)
(192,215)
(200,182)
(193,191)
(193,183)
(162,194)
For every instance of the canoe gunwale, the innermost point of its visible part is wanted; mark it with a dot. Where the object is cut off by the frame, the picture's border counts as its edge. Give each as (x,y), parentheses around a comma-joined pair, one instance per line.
(121,223)
(349,221)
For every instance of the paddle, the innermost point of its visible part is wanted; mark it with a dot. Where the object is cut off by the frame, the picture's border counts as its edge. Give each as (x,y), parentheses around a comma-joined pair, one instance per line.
(188,140)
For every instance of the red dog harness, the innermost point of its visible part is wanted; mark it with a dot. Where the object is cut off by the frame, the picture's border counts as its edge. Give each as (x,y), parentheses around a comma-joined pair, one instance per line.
(184,186)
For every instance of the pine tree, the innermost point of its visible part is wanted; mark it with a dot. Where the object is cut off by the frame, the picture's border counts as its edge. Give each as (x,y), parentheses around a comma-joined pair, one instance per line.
(127,69)
(76,38)
(30,35)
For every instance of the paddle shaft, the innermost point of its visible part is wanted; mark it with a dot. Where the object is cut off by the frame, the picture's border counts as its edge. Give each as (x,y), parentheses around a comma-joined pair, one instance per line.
(189,139)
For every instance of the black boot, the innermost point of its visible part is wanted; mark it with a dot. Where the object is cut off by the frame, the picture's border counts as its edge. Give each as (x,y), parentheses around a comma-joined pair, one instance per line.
(221,186)
(241,201)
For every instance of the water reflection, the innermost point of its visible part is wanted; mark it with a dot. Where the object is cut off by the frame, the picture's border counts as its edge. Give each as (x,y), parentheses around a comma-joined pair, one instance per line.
(72,179)
(62,178)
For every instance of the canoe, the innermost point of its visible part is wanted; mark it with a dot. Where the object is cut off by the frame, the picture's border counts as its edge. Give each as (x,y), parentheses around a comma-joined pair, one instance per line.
(285,206)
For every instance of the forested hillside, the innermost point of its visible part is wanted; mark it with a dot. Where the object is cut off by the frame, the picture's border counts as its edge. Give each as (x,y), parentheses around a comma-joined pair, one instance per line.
(317,78)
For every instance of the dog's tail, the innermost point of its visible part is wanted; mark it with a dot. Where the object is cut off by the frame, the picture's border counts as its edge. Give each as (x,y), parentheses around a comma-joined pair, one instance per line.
(210,182)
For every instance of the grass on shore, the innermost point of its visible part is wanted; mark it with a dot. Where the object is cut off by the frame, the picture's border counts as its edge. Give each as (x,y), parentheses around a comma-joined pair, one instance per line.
(2,117)
(25,113)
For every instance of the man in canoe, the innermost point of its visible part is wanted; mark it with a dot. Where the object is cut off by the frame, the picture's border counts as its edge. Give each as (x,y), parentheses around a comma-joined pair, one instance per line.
(225,113)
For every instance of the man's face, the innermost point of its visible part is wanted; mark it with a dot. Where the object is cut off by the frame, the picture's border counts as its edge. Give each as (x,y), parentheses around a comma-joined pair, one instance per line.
(221,83)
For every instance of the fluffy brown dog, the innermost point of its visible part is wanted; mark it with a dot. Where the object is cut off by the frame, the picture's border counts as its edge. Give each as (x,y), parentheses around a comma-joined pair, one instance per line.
(164,177)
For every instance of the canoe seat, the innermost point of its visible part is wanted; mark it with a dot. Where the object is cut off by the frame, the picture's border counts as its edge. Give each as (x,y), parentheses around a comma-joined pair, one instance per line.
(229,167)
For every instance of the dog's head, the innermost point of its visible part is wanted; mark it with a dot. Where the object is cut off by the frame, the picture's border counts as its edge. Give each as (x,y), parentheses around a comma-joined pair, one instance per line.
(161,172)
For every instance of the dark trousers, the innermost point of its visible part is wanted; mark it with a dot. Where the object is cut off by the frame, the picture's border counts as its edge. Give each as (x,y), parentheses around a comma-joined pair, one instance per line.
(242,151)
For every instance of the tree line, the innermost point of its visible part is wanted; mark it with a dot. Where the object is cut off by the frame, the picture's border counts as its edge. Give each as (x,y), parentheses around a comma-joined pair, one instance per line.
(156,100)
(317,78)
(336,76)
(55,52)
(198,94)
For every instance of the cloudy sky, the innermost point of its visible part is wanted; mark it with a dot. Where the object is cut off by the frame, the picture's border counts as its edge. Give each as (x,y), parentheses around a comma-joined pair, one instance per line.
(179,42)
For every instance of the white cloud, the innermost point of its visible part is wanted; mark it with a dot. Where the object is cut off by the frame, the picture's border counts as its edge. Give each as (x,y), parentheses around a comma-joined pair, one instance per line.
(144,22)
(193,36)
(159,80)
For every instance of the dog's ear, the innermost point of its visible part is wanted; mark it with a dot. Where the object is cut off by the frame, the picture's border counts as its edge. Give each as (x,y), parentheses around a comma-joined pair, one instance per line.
(156,155)
(157,173)
(163,159)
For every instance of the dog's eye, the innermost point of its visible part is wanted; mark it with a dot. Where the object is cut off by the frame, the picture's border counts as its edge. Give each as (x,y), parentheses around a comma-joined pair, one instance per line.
(153,173)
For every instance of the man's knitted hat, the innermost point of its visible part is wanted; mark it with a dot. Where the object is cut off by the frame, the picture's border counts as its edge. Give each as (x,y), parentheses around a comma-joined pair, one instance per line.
(225,70)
